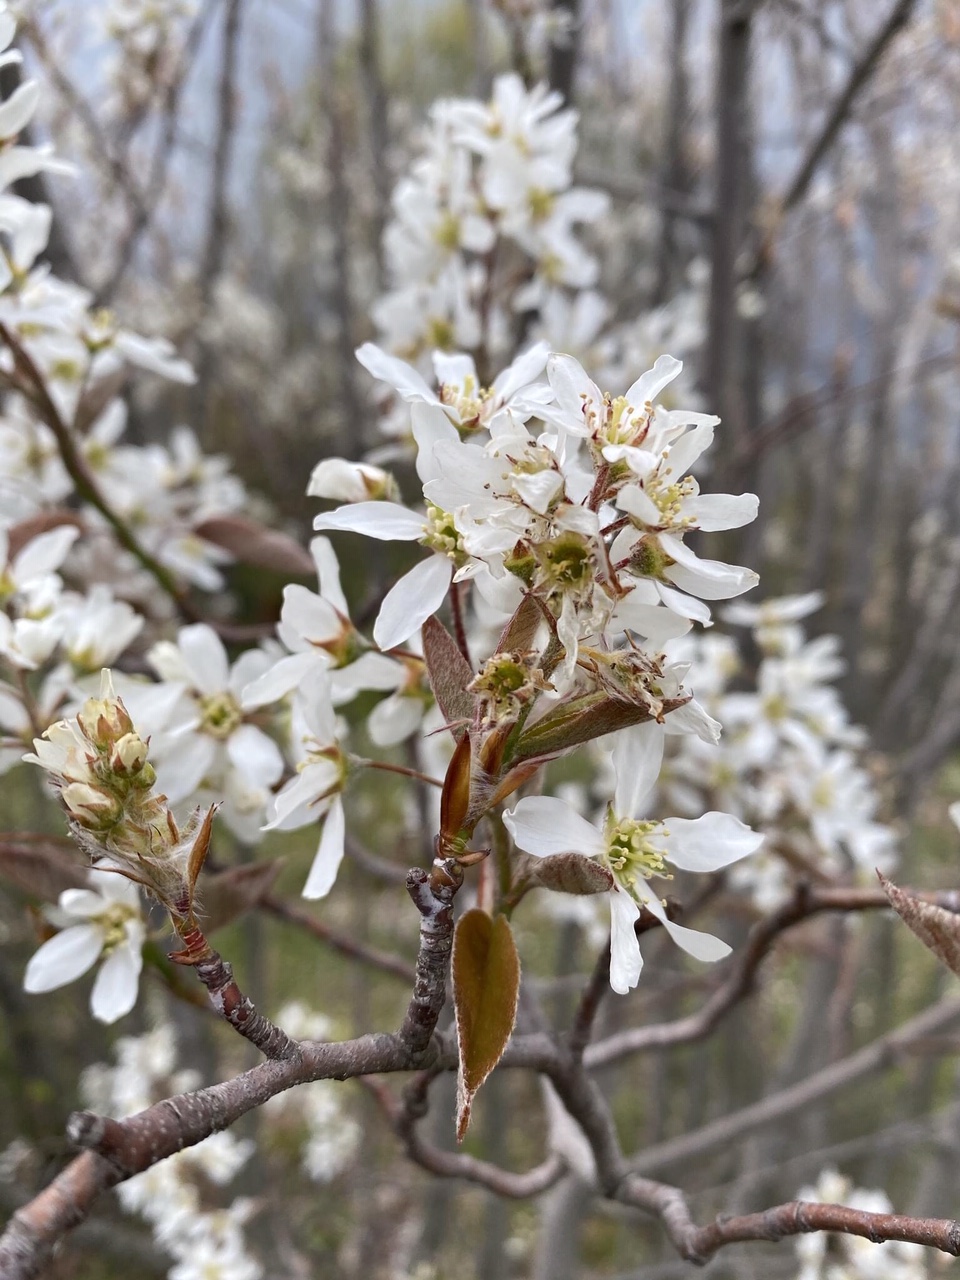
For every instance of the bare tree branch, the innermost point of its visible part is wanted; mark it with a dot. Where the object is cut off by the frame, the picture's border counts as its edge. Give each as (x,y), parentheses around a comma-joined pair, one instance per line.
(836,116)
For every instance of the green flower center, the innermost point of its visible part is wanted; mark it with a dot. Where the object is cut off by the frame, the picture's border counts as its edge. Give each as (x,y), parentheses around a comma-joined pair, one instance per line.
(566,563)
(113,922)
(441,534)
(649,560)
(220,715)
(631,854)
(669,500)
(447,233)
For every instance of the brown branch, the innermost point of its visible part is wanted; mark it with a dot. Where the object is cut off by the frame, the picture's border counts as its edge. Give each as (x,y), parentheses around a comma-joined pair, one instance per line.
(211,263)
(81,110)
(886,1051)
(860,73)
(805,903)
(145,210)
(432,894)
(379,868)
(35,389)
(403,1117)
(229,1001)
(590,1001)
(797,1217)
(342,942)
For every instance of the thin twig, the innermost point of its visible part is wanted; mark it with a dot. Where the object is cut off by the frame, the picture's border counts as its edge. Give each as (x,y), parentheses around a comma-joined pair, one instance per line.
(342,942)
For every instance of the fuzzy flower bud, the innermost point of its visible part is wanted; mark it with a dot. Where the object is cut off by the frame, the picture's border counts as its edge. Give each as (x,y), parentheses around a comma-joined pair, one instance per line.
(129,755)
(93,807)
(104,720)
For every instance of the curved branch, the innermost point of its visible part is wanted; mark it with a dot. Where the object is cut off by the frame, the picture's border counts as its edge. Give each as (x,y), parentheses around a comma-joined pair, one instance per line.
(883,1052)
(805,903)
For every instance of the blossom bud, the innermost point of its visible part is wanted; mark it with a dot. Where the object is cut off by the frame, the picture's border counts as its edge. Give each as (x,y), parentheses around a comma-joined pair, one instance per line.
(345,481)
(104,721)
(129,755)
(92,807)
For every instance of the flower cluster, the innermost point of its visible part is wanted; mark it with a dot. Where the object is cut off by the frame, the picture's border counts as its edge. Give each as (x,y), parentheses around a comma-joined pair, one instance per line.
(98,764)
(789,762)
(846,1257)
(553,520)
(490,196)
(207,1242)
(331,1136)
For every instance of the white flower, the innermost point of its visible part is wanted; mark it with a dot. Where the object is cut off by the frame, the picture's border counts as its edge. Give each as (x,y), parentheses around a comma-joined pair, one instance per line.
(635,850)
(96,628)
(100,923)
(317,630)
(215,745)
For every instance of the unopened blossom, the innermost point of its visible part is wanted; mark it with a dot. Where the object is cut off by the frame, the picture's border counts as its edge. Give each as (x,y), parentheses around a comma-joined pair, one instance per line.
(344,481)
(636,851)
(102,924)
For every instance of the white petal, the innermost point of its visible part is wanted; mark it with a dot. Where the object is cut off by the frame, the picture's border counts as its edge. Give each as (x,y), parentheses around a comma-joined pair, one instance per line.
(284,676)
(633,499)
(716,511)
(702,946)
(307,616)
(649,385)
(297,802)
(544,825)
(394,719)
(396,373)
(82,903)
(954,812)
(205,658)
(626,962)
(370,671)
(527,366)
(430,427)
(115,989)
(685,451)
(452,369)
(328,574)
(572,387)
(63,957)
(255,755)
(684,605)
(411,601)
(637,757)
(329,854)
(180,774)
(18,108)
(709,842)
(43,554)
(709,579)
(692,718)
(387,521)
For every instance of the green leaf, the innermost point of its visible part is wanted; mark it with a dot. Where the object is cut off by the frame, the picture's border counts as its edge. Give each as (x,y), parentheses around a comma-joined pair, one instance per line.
(486,986)
(449,673)
(581,721)
(937,929)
